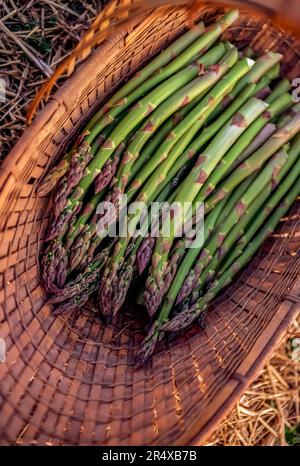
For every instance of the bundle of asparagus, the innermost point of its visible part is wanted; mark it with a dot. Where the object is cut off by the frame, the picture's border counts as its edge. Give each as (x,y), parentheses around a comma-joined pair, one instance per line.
(201,123)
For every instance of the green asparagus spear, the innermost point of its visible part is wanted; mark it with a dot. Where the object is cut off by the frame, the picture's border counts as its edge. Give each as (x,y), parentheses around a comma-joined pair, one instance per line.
(256,160)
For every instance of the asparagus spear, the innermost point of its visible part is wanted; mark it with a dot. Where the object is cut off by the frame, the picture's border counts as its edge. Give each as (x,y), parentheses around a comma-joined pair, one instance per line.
(79,160)
(150,189)
(187,276)
(265,66)
(281,88)
(209,58)
(158,116)
(288,115)
(287,176)
(109,169)
(244,222)
(55,174)
(52,262)
(199,175)
(185,318)
(170,71)
(235,156)
(178,141)
(58,171)
(82,282)
(189,315)
(112,298)
(256,160)
(145,251)
(205,135)
(181,97)
(160,135)
(231,200)
(146,79)
(257,142)
(264,93)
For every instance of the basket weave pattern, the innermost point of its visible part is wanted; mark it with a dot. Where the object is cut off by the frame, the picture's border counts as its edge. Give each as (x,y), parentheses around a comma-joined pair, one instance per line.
(73,380)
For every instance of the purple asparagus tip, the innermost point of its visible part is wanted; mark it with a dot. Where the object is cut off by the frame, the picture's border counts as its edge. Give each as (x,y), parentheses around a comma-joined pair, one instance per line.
(107,173)
(144,254)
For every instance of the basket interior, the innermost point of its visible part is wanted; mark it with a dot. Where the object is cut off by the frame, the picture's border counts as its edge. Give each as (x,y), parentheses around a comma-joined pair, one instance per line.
(73,380)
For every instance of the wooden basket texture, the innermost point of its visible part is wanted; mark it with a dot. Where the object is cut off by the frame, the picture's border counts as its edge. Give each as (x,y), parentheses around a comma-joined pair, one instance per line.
(73,380)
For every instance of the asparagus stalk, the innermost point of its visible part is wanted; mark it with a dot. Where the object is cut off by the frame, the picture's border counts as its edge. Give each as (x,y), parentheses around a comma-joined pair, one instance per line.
(158,116)
(287,176)
(263,135)
(263,93)
(187,275)
(210,58)
(181,97)
(160,136)
(281,88)
(205,136)
(112,298)
(187,317)
(169,72)
(53,262)
(199,175)
(81,283)
(51,179)
(176,57)
(238,230)
(178,140)
(78,225)
(287,116)
(109,169)
(256,160)
(266,66)
(81,244)
(235,156)
(231,200)
(79,160)
(150,189)
(146,249)
(58,171)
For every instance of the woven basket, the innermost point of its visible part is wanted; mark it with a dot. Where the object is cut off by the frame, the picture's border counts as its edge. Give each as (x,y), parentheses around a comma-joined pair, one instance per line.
(73,380)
